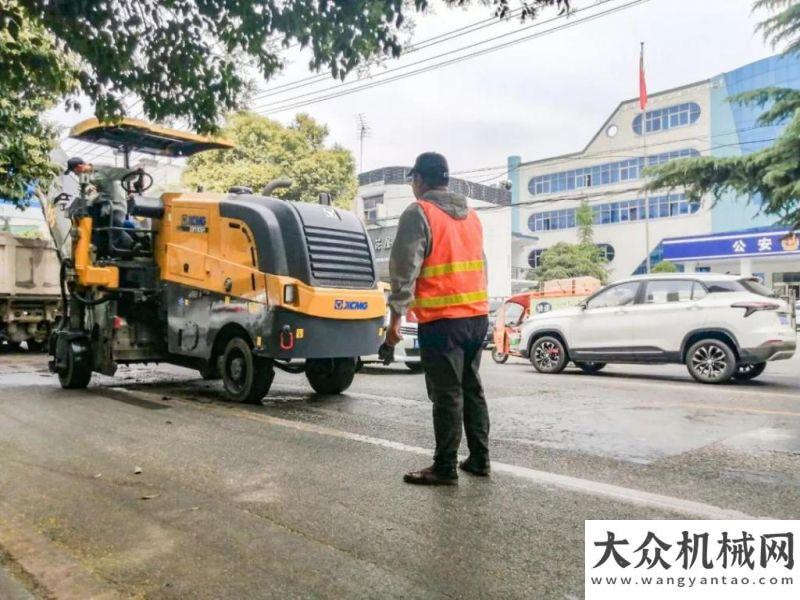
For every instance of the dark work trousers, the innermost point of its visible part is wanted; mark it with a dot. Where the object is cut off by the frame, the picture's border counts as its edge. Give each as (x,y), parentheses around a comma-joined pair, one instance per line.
(451,356)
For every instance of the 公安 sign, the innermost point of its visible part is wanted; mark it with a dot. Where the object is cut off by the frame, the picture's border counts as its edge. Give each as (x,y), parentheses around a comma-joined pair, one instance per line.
(730,246)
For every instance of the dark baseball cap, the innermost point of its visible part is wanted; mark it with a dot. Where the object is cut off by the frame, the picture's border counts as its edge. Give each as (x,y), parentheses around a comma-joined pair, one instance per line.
(431,166)
(72,163)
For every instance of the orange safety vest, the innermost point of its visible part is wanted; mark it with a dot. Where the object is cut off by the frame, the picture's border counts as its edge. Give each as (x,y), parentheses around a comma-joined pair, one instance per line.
(452,282)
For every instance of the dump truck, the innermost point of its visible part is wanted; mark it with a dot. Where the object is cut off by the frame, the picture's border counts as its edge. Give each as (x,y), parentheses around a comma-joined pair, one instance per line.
(235,285)
(29,290)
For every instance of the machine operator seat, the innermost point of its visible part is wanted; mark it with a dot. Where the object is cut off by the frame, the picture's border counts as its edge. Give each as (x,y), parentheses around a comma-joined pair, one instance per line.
(148,207)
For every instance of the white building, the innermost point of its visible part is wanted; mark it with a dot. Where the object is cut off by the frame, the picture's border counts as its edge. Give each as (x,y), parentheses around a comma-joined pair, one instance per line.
(693,120)
(383,194)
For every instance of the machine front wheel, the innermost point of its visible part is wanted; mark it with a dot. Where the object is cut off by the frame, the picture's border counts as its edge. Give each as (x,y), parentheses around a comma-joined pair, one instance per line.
(245,376)
(76,371)
(330,375)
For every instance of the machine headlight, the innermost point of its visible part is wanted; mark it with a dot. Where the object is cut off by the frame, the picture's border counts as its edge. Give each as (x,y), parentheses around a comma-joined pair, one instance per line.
(290,294)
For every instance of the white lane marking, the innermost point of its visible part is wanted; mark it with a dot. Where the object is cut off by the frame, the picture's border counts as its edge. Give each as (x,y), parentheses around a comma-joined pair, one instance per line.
(545,478)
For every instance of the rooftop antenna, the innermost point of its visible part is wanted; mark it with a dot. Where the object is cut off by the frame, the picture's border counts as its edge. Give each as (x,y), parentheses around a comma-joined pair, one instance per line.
(363,132)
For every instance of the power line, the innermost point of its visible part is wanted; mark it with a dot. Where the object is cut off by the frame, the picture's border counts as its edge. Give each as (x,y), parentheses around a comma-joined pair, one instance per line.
(414,47)
(458,59)
(535,25)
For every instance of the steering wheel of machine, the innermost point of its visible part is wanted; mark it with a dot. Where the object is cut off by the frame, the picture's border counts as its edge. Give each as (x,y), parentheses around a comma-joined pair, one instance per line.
(134,182)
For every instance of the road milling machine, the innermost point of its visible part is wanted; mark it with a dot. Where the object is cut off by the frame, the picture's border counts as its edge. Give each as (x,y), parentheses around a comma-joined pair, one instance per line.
(234,285)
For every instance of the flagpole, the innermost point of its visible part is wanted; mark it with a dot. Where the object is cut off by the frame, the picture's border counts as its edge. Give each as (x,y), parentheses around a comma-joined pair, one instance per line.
(643,104)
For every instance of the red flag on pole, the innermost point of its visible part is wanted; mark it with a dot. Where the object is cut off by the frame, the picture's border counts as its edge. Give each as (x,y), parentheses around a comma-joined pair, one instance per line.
(642,81)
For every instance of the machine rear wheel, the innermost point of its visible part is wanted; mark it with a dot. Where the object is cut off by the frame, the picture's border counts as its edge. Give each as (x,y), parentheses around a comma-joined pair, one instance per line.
(77,370)
(245,376)
(330,375)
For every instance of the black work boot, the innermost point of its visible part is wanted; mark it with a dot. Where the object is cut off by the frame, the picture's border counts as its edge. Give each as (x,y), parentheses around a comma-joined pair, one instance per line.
(480,469)
(431,476)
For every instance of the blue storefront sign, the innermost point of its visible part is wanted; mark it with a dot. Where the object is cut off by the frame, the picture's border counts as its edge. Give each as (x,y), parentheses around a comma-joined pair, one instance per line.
(732,245)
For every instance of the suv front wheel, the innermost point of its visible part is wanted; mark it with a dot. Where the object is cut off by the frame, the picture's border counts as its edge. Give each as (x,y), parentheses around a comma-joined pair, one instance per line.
(711,361)
(548,355)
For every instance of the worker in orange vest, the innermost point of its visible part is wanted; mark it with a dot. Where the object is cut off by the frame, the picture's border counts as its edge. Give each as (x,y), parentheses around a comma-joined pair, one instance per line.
(438,273)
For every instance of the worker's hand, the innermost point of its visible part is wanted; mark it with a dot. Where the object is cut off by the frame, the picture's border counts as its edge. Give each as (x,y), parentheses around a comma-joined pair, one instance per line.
(393,335)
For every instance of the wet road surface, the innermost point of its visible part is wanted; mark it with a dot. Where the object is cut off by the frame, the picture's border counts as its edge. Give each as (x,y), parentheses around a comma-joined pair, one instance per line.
(303,496)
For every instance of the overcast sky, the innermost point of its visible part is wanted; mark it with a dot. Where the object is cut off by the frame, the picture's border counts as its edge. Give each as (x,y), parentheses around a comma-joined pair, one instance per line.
(542,97)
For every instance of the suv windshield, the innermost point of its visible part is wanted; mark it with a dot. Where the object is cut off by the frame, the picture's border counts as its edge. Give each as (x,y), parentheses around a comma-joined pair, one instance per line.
(740,285)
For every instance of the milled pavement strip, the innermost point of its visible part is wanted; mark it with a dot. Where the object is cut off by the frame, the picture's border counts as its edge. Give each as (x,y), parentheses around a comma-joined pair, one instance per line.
(545,478)
(50,566)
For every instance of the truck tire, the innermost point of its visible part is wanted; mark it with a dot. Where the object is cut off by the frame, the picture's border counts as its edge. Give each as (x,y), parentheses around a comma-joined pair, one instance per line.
(77,370)
(245,376)
(34,346)
(711,361)
(548,355)
(330,375)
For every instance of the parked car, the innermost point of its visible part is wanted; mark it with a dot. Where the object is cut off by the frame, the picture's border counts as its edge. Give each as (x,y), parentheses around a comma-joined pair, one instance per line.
(720,326)
(797,314)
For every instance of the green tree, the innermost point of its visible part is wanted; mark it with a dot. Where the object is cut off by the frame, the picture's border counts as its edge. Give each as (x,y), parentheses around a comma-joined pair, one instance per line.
(772,173)
(266,150)
(665,266)
(185,59)
(564,260)
(583,259)
(34,75)
(584,219)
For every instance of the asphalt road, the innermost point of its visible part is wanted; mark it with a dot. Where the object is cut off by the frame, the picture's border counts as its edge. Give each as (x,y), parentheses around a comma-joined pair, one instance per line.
(303,496)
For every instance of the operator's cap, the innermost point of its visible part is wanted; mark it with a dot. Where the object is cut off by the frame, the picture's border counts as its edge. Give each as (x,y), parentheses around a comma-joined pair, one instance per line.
(431,165)
(72,163)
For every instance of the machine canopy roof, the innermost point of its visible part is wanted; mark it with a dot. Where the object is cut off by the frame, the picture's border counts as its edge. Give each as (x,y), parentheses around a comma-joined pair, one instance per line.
(141,136)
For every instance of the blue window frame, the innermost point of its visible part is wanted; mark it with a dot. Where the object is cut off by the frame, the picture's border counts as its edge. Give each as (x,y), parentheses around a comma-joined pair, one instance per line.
(625,211)
(662,119)
(599,175)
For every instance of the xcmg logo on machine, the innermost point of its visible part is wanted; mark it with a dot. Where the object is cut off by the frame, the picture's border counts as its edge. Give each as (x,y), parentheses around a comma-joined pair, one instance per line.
(350,305)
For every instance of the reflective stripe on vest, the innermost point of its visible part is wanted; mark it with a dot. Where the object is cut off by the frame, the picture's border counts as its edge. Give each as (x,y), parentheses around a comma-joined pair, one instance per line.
(452,281)
(456,267)
(438,301)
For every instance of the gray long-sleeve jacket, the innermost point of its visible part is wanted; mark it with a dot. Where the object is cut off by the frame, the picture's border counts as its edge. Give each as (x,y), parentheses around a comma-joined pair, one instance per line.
(413,244)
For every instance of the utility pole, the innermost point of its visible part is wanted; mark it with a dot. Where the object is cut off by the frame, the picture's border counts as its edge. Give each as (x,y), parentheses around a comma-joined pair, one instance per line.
(363,132)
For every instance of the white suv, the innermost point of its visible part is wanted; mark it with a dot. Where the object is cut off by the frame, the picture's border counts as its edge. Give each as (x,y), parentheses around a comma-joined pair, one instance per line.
(719,326)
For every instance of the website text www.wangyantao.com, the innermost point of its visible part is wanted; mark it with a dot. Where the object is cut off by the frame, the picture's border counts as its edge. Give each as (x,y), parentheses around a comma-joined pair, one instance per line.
(692,582)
